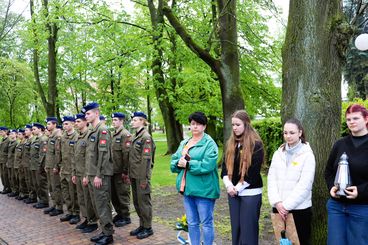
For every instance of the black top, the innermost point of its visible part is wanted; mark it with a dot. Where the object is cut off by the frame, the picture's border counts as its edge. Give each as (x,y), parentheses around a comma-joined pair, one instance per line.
(358,166)
(253,177)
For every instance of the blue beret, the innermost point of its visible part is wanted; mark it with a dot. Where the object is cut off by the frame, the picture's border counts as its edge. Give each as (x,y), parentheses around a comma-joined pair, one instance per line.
(68,119)
(51,119)
(118,115)
(28,126)
(3,128)
(21,130)
(139,114)
(13,131)
(90,106)
(102,117)
(38,125)
(80,116)
(59,126)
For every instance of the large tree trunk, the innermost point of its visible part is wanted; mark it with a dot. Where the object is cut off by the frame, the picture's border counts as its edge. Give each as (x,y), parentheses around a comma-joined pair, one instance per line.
(227,67)
(174,131)
(311,88)
(52,72)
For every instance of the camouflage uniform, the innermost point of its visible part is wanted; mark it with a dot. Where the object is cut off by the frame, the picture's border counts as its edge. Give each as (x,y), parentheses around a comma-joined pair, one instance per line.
(141,156)
(99,164)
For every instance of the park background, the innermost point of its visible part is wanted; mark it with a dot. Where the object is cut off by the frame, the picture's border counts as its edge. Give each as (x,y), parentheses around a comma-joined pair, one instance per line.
(170,58)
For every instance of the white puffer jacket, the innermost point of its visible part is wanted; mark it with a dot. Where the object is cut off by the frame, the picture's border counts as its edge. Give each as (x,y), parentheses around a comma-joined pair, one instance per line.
(292,185)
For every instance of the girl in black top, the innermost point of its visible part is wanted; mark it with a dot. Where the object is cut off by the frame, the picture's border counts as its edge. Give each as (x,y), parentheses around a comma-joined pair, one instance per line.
(348,215)
(241,173)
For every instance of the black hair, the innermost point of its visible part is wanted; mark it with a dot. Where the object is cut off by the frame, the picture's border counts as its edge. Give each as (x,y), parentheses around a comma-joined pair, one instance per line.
(199,117)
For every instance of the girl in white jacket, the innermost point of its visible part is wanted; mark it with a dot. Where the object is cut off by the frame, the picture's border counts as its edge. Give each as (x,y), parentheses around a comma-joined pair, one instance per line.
(290,179)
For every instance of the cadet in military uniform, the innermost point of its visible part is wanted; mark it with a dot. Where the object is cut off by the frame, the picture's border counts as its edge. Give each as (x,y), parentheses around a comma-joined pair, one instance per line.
(80,177)
(20,149)
(39,179)
(99,170)
(18,161)
(53,173)
(67,154)
(30,196)
(3,159)
(120,184)
(141,157)
(10,162)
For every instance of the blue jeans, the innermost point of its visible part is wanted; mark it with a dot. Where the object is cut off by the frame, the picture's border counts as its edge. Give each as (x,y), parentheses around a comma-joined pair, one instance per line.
(199,211)
(347,223)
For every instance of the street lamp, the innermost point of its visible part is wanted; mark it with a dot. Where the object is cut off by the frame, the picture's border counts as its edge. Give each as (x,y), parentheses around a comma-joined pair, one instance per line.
(361,42)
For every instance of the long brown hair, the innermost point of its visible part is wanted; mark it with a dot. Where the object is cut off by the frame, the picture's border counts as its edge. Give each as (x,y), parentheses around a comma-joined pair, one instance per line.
(247,140)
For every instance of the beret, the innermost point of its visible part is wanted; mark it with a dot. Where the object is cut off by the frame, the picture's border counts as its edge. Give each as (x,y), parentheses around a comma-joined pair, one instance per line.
(21,130)
(118,115)
(102,117)
(28,126)
(51,119)
(68,119)
(3,128)
(38,125)
(13,131)
(90,106)
(139,114)
(80,116)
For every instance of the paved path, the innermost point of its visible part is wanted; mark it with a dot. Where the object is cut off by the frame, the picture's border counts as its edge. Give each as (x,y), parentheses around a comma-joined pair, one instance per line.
(20,223)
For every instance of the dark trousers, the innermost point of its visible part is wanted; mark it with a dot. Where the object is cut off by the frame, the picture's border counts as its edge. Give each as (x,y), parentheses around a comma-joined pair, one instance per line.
(101,197)
(244,217)
(303,220)
(120,196)
(142,202)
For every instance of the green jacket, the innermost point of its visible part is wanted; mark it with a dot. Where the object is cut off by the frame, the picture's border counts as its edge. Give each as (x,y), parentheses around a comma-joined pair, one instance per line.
(26,156)
(18,154)
(120,145)
(11,153)
(79,160)
(141,155)
(202,177)
(67,152)
(37,152)
(4,150)
(52,158)
(98,152)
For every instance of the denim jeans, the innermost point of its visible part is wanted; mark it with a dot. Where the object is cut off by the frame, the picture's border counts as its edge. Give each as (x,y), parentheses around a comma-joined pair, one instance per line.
(347,223)
(199,211)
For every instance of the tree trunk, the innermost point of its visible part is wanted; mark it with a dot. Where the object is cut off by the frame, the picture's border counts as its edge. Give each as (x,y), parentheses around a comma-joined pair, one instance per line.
(227,67)
(311,88)
(52,63)
(174,132)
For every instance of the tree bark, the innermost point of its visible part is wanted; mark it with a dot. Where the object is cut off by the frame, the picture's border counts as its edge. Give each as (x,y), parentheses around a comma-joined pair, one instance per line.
(312,88)
(52,63)
(174,131)
(227,67)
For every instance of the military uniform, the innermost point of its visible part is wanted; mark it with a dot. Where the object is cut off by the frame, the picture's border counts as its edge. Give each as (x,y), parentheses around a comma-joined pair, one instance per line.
(26,162)
(38,174)
(10,164)
(17,165)
(120,184)
(99,164)
(141,156)
(3,159)
(79,170)
(23,171)
(68,188)
(52,160)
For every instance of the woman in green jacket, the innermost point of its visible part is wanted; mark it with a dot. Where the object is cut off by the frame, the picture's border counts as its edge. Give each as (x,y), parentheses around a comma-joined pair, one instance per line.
(195,161)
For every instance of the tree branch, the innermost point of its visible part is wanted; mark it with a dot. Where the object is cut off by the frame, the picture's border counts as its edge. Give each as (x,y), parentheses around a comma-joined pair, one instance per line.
(188,40)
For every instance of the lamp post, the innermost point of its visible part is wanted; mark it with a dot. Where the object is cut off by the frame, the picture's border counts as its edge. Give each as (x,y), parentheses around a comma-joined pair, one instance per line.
(361,42)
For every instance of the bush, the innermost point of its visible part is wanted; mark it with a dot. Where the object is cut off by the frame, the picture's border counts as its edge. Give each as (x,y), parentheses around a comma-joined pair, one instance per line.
(270,130)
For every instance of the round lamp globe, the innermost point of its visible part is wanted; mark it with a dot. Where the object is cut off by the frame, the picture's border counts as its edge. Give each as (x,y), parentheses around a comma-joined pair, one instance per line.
(361,42)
